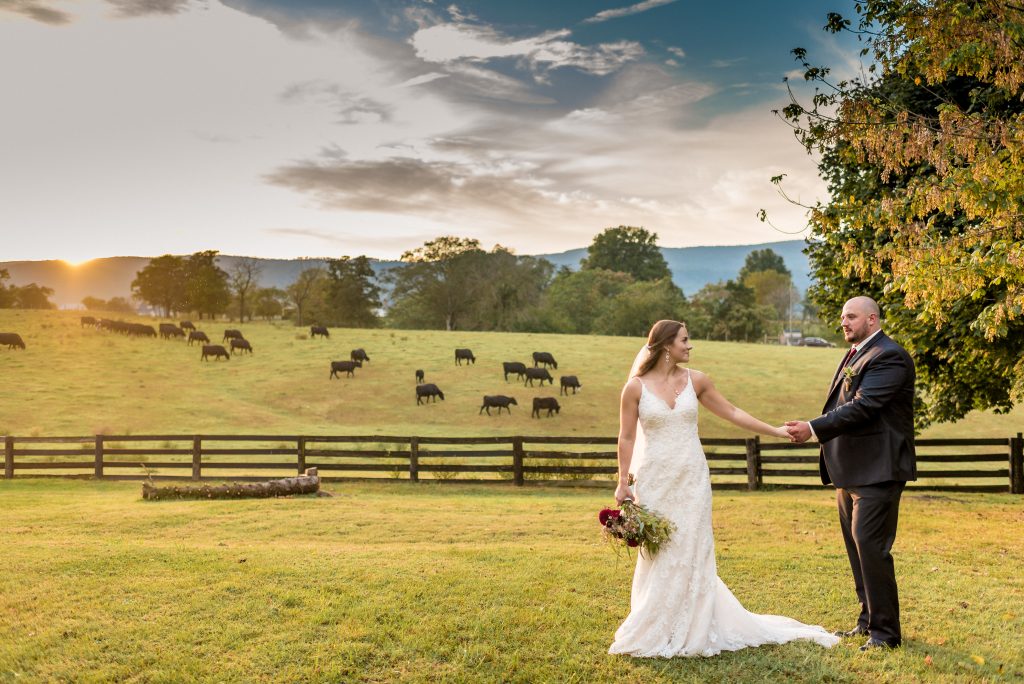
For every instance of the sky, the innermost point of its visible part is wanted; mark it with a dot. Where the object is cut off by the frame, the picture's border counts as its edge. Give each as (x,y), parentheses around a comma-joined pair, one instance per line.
(345,127)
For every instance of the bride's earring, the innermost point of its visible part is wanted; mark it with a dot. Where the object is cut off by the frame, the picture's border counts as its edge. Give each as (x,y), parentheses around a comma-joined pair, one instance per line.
(668,359)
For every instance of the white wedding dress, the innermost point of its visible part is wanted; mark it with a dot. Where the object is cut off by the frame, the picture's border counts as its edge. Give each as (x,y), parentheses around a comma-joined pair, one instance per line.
(679,606)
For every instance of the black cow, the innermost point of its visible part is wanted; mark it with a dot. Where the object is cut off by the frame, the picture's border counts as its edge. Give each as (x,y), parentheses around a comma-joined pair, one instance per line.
(168,330)
(12,340)
(541,403)
(88,320)
(197,336)
(188,325)
(320,330)
(359,355)
(544,358)
(464,355)
(349,367)
(428,391)
(567,381)
(230,334)
(216,351)
(538,374)
(141,330)
(514,367)
(419,376)
(498,400)
(242,344)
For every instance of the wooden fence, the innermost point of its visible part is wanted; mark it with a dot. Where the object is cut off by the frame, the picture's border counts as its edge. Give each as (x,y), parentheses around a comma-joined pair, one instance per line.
(943,464)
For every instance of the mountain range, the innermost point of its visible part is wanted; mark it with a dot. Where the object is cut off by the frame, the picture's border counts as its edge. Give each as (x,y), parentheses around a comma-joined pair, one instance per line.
(692,268)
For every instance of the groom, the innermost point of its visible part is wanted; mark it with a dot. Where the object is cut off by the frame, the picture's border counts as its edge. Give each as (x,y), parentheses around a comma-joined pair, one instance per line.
(867,452)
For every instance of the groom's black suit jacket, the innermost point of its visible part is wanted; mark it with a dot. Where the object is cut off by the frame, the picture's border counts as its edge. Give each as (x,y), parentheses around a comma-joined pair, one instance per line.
(867,430)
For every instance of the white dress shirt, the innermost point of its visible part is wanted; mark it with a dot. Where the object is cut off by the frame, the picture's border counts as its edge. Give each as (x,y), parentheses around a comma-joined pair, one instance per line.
(854,348)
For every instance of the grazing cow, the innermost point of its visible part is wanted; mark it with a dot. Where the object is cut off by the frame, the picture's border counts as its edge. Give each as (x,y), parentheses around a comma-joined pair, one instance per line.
(216,351)
(428,391)
(141,330)
(514,367)
(188,325)
(320,330)
(538,374)
(242,344)
(168,330)
(12,340)
(464,355)
(88,320)
(544,358)
(541,403)
(197,336)
(419,376)
(359,355)
(567,381)
(498,400)
(348,367)
(232,335)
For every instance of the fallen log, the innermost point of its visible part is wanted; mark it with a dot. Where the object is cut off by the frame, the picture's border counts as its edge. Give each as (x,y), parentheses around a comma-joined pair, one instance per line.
(309,483)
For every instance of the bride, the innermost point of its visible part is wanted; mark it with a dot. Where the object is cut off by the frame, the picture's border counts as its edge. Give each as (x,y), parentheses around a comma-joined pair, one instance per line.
(679,606)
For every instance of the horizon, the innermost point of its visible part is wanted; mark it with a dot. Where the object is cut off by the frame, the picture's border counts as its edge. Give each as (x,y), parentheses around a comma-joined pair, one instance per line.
(300,127)
(368,256)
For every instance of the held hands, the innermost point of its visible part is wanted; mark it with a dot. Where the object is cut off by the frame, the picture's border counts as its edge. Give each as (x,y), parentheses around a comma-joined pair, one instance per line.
(798,431)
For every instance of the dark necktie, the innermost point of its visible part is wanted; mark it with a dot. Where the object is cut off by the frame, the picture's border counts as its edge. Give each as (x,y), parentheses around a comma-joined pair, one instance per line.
(849,357)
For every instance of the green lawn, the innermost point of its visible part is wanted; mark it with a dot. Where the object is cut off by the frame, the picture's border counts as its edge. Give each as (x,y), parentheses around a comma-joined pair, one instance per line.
(74,381)
(394,581)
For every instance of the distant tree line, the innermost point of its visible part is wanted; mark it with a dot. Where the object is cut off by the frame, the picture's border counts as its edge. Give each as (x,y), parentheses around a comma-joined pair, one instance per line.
(31,296)
(453,283)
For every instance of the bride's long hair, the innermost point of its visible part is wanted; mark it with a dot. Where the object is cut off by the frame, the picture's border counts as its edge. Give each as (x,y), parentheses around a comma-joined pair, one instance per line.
(662,334)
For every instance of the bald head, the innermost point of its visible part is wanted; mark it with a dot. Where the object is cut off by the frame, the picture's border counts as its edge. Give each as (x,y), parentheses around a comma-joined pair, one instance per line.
(860,319)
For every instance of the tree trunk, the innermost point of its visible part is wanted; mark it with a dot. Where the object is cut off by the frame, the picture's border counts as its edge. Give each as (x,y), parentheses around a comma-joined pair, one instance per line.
(289,486)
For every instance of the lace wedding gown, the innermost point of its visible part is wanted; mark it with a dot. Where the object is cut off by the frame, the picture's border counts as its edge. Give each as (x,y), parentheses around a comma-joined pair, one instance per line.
(679,606)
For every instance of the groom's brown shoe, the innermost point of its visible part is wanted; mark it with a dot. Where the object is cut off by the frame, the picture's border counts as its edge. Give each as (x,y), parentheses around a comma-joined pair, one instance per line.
(856,631)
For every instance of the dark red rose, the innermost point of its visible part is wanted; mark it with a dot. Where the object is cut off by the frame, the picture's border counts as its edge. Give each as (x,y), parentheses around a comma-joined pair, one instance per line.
(632,542)
(607,514)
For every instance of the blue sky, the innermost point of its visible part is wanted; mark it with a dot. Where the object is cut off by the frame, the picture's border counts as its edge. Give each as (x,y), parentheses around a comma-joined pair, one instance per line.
(319,128)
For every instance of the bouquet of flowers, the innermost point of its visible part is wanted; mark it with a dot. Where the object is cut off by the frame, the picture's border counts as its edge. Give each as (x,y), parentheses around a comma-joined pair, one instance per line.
(636,526)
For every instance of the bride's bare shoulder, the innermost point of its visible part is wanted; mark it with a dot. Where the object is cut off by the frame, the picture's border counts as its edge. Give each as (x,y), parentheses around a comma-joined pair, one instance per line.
(632,388)
(700,379)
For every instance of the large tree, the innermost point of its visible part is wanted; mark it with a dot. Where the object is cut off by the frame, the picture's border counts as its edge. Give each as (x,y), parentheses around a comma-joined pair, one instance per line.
(640,304)
(302,293)
(207,290)
(161,283)
(766,259)
(575,299)
(924,160)
(353,293)
(244,278)
(439,284)
(627,249)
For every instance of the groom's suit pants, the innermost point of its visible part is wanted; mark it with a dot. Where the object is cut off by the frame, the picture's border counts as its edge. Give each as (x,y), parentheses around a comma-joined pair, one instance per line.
(868,516)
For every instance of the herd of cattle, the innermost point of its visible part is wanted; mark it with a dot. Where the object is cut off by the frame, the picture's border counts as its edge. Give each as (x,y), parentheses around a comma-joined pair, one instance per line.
(424,391)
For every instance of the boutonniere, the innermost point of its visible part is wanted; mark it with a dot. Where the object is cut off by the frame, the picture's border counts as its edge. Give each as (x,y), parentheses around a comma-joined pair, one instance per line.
(849,374)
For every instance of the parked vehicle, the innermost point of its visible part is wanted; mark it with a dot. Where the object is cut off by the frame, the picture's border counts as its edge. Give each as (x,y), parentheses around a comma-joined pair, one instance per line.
(814,342)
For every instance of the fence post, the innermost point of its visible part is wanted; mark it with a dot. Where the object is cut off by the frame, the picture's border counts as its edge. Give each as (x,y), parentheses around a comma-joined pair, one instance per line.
(301,453)
(414,459)
(1017,464)
(197,457)
(8,457)
(517,460)
(97,468)
(753,445)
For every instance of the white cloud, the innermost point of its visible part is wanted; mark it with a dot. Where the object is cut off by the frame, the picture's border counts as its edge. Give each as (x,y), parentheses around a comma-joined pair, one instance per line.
(459,42)
(626,11)
(677,51)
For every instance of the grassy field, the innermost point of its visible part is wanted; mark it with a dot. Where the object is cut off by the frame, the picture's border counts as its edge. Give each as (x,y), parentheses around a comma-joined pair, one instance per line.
(421,583)
(74,381)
